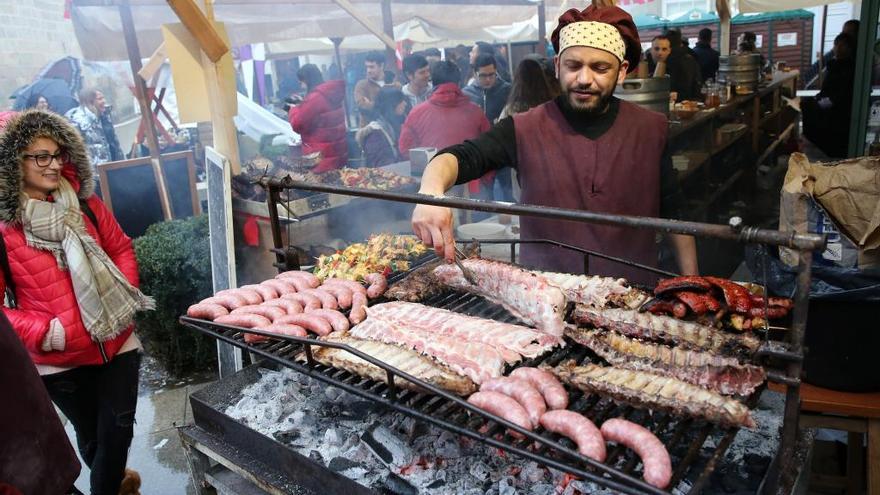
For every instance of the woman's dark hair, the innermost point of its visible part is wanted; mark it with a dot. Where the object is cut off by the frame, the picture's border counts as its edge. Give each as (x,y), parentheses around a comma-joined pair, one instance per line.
(387,100)
(310,75)
(532,86)
(34,98)
(445,72)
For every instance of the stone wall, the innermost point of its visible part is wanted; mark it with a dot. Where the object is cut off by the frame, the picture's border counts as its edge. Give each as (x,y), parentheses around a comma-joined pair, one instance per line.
(32,34)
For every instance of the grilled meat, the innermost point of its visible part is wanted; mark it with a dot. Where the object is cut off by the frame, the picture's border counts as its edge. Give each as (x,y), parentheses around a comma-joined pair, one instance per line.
(737,297)
(513,341)
(419,285)
(477,361)
(690,283)
(527,295)
(403,359)
(721,374)
(651,391)
(596,291)
(667,330)
(698,303)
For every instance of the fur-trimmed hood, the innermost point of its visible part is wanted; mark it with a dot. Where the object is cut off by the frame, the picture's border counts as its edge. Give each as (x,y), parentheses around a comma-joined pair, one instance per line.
(18,134)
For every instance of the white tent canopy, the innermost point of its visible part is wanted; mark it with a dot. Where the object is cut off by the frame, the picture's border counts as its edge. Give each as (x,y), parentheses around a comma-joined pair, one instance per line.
(748,6)
(99,30)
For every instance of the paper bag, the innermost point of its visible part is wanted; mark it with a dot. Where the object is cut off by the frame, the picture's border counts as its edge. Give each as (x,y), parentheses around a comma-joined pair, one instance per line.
(840,199)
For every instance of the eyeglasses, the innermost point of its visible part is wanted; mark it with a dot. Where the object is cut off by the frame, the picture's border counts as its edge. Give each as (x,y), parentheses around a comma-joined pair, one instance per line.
(491,75)
(43,160)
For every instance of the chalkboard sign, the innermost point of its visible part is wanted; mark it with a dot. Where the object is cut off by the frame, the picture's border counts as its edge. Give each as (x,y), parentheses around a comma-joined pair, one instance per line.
(219,178)
(130,190)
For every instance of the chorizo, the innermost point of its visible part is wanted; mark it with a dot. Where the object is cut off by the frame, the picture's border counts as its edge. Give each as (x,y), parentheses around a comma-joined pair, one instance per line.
(342,294)
(312,323)
(326,298)
(782,302)
(690,283)
(266,292)
(336,319)
(280,286)
(206,311)
(228,301)
(504,407)
(358,311)
(289,306)
(351,284)
(307,301)
(547,384)
(378,284)
(310,278)
(579,429)
(270,312)
(738,298)
(771,312)
(249,296)
(657,467)
(521,391)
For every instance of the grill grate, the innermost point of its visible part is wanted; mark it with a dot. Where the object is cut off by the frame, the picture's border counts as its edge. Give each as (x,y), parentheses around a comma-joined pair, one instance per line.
(684,438)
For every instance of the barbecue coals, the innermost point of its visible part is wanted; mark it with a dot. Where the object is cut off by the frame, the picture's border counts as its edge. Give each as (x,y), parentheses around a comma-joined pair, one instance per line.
(525,294)
(712,299)
(387,451)
(295,303)
(652,391)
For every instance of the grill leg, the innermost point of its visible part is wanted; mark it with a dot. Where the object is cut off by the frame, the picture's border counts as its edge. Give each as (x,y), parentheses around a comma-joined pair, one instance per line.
(199,464)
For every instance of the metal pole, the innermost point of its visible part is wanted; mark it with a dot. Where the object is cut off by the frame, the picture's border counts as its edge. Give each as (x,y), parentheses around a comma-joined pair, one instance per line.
(140,92)
(822,44)
(741,234)
(542,29)
(862,88)
(336,43)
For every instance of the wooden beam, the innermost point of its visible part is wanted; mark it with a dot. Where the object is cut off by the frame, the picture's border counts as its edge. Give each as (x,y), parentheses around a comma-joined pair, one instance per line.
(140,92)
(542,30)
(154,63)
(198,24)
(347,6)
(388,28)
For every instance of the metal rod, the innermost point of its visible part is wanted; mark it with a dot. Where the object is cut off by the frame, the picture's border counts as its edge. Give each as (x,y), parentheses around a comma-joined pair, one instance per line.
(275,225)
(773,237)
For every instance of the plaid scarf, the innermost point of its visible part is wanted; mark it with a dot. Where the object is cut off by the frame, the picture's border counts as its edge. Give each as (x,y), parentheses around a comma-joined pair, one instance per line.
(107,301)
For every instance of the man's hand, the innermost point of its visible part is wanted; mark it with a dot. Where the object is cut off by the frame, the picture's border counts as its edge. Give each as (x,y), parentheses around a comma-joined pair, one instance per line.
(433,225)
(685,249)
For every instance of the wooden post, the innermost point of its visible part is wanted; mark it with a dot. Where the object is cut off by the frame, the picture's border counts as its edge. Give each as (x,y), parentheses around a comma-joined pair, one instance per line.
(542,29)
(140,92)
(338,57)
(388,28)
(723,9)
(822,45)
(862,87)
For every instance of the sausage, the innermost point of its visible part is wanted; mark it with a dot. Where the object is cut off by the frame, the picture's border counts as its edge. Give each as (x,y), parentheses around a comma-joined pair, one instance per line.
(655,458)
(244,320)
(286,329)
(270,312)
(358,311)
(697,302)
(771,313)
(206,311)
(549,386)
(280,286)
(310,278)
(738,298)
(307,301)
(249,296)
(579,429)
(266,292)
(228,301)
(689,283)
(504,407)
(328,301)
(289,306)
(336,319)
(520,390)
(342,294)
(253,338)
(301,284)
(782,302)
(312,323)
(378,284)
(351,284)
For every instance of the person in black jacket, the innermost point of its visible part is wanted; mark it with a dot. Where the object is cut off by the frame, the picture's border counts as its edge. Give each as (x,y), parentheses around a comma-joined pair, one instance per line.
(706,56)
(488,91)
(682,68)
(827,116)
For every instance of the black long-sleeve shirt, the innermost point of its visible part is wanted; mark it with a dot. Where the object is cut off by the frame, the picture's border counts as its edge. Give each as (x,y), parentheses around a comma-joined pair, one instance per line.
(496,149)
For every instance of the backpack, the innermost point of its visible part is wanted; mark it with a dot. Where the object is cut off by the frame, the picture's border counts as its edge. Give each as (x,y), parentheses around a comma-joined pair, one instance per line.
(11,300)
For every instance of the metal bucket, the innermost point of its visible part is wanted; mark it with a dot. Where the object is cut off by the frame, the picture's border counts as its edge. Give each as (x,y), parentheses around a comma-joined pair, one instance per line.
(744,69)
(652,93)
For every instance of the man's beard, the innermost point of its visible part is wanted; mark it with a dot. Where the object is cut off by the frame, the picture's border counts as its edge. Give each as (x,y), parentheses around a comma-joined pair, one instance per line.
(595,107)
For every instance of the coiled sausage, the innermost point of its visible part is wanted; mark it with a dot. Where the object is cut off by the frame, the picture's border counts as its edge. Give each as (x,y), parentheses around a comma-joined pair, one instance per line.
(378,284)
(328,301)
(251,297)
(553,391)
(520,390)
(312,323)
(351,284)
(307,301)
(286,329)
(206,311)
(336,319)
(228,301)
(266,292)
(310,278)
(358,311)
(280,286)
(270,312)
(342,294)
(579,429)
(656,464)
(504,407)
(289,306)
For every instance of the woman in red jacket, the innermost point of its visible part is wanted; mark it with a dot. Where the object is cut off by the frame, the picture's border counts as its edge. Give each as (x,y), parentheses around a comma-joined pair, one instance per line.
(320,119)
(73,276)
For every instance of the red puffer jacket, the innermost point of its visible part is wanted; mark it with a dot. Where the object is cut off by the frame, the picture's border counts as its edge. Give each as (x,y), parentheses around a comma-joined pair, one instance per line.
(45,292)
(320,121)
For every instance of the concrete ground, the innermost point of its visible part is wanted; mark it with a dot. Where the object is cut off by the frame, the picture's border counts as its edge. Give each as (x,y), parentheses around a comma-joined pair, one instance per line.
(155,451)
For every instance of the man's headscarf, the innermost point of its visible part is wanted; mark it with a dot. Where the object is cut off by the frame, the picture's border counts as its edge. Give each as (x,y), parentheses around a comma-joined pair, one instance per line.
(606,28)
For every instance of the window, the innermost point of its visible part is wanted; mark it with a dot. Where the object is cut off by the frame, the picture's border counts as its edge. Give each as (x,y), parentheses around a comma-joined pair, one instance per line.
(673,8)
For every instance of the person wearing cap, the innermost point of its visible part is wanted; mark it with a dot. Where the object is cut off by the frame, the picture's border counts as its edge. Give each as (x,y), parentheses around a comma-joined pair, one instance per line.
(584,150)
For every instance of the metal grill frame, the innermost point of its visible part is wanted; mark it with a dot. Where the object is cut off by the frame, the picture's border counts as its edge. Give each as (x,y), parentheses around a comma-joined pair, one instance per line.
(781,474)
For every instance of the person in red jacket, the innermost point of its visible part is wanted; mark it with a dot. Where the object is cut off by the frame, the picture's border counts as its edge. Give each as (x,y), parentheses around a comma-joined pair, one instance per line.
(73,278)
(320,120)
(447,118)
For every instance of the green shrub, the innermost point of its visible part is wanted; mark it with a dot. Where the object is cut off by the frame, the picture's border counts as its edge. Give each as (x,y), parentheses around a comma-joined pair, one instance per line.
(174,258)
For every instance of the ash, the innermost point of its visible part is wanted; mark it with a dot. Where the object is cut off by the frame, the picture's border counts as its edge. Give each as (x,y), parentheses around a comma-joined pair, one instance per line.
(385,450)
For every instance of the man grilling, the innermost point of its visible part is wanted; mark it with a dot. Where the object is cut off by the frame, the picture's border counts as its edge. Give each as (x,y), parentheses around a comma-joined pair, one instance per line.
(585,150)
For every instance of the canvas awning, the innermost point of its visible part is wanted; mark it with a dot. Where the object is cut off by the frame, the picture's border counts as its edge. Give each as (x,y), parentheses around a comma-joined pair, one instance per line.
(749,6)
